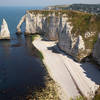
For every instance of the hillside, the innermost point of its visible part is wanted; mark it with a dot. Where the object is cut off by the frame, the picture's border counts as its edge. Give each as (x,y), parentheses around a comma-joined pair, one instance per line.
(90,8)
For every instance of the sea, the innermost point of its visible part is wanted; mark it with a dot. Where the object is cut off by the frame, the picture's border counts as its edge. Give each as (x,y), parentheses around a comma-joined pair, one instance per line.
(20,69)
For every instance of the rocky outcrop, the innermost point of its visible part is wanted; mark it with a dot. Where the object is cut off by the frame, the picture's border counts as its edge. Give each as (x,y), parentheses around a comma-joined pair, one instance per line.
(19,25)
(65,39)
(73,46)
(96,50)
(53,27)
(34,23)
(78,50)
(4,34)
(39,23)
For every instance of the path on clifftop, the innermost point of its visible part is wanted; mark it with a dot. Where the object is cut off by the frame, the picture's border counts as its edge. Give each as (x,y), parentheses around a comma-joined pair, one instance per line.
(68,73)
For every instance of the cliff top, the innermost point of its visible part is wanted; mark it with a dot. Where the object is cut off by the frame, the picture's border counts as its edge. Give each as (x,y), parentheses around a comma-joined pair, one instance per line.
(57,12)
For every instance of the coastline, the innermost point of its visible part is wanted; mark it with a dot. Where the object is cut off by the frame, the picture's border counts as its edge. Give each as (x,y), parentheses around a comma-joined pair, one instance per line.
(63,94)
(51,87)
(56,64)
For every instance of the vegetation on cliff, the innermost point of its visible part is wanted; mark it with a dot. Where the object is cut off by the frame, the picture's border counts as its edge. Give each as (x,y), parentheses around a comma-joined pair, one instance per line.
(83,24)
(81,21)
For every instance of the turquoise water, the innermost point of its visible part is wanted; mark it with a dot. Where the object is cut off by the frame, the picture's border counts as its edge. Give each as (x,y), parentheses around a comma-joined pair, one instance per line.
(20,69)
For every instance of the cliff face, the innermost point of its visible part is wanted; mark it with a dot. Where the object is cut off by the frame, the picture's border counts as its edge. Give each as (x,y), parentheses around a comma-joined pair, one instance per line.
(73,46)
(33,23)
(52,27)
(39,23)
(56,27)
(76,32)
(65,38)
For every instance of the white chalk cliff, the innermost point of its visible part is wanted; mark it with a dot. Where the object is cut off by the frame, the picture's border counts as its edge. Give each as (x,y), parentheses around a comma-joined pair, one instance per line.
(73,46)
(39,23)
(4,33)
(33,23)
(57,26)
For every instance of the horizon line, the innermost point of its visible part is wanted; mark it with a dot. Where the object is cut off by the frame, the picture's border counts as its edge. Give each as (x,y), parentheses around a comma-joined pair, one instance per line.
(46,5)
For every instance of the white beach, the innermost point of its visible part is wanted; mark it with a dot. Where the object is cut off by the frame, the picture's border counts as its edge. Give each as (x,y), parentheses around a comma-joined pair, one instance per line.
(71,76)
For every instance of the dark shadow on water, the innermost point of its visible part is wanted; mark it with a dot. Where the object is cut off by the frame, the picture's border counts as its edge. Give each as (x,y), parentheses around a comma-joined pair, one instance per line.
(21,71)
(90,70)
(18,42)
(16,45)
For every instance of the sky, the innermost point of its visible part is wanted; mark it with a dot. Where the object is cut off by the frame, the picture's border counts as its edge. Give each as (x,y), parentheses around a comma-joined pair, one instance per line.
(44,2)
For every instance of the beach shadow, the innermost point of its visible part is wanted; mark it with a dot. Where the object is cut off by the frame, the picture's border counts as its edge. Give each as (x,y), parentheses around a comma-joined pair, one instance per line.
(90,70)
(56,49)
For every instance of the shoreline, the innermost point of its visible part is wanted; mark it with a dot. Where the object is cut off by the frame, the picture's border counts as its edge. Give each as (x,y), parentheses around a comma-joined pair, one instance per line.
(51,85)
(61,91)
(56,64)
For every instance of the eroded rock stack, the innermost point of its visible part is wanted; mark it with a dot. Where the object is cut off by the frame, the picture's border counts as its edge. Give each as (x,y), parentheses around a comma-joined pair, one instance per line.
(4,34)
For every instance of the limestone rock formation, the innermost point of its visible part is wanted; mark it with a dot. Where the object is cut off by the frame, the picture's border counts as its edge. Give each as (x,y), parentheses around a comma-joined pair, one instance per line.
(30,24)
(78,49)
(71,45)
(34,23)
(53,26)
(20,23)
(96,50)
(73,38)
(4,34)
(65,40)
(39,23)
(56,28)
